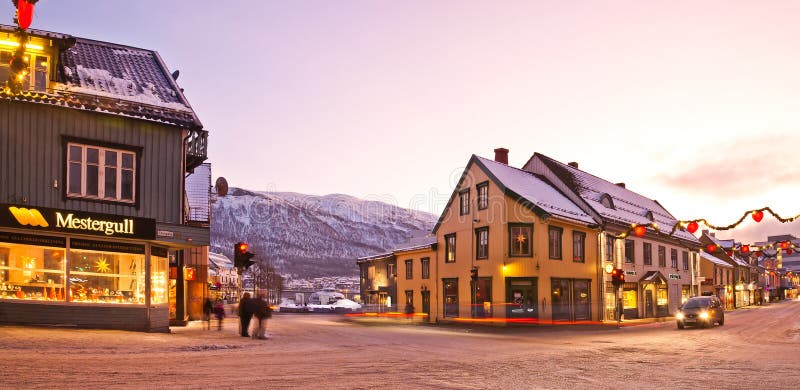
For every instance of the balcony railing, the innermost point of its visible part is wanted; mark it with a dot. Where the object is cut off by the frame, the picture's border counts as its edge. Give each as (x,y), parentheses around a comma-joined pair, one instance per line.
(196,148)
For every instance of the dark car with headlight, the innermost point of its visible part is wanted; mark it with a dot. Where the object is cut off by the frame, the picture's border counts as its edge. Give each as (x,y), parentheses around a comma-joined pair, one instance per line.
(700,311)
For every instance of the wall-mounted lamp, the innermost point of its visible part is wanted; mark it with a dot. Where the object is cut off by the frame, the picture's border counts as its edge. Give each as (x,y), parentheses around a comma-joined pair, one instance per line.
(537,265)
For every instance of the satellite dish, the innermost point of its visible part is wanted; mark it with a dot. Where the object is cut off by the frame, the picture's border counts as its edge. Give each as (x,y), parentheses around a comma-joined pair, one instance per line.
(222,186)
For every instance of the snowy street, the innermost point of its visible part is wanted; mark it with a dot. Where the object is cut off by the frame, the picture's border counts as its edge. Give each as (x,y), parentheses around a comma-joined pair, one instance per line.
(757,347)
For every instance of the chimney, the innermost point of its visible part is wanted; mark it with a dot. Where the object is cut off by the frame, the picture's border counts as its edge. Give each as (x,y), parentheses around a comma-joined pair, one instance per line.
(573,164)
(501,155)
(621,185)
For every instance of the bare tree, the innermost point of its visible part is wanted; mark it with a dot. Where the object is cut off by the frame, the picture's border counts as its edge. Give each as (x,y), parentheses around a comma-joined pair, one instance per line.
(265,277)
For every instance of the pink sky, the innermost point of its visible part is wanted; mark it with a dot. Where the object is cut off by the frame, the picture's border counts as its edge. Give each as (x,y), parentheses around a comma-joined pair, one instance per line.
(693,103)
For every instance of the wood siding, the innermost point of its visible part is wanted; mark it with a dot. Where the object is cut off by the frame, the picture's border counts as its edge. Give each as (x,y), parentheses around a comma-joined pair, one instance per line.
(32,158)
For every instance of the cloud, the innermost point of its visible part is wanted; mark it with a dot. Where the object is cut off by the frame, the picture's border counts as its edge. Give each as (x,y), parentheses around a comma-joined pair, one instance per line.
(740,165)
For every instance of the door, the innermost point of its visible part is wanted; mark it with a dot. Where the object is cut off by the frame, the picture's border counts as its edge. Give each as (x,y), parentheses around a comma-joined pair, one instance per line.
(560,298)
(648,303)
(426,303)
(521,295)
(583,300)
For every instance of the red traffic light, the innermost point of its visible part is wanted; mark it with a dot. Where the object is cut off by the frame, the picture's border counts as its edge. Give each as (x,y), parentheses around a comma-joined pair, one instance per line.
(241,247)
(617,276)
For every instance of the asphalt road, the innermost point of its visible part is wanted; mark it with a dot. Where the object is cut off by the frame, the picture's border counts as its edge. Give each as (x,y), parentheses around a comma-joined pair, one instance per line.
(756,348)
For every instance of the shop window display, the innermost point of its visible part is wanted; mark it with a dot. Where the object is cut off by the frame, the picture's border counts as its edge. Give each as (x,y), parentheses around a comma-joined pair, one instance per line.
(107,277)
(31,272)
(159,279)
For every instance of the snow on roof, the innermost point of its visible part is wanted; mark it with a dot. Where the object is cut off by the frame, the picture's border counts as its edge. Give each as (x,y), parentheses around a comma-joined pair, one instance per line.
(629,207)
(717,261)
(740,261)
(535,190)
(219,260)
(412,247)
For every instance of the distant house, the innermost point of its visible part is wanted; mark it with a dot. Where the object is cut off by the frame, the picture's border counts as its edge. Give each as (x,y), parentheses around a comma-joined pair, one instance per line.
(94,150)
(378,282)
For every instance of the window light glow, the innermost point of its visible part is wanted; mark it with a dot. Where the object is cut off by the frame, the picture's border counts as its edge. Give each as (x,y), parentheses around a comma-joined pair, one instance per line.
(31,46)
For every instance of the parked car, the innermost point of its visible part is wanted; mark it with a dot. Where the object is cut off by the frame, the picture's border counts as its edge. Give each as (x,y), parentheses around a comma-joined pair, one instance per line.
(700,311)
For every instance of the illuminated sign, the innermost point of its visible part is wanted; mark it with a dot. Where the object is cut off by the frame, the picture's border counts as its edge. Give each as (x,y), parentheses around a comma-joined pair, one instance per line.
(108,225)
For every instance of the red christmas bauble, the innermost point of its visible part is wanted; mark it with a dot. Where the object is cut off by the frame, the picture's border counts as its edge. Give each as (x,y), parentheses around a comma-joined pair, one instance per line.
(784,244)
(730,253)
(639,230)
(745,249)
(758,215)
(711,248)
(24,13)
(758,254)
(788,251)
(692,227)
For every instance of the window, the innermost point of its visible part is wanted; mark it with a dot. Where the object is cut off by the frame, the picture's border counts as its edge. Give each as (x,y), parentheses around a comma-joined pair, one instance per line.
(482,243)
(609,247)
(409,269)
(463,200)
(629,251)
(579,247)
(38,66)
(450,248)
(519,239)
(450,292)
(685,260)
(425,263)
(100,173)
(32,272)
(662,256)
(483,195)
(111,277)
(410,298)
(649,216)
(673,255)
(390,271)
(606,201)
(647,250)
(554,241)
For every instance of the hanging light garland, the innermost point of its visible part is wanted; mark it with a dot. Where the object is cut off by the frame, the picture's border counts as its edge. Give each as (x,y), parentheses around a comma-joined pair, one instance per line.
(787,247)
(19,65)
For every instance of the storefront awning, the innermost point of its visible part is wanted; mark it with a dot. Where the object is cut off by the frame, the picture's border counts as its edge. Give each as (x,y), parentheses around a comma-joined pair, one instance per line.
(653,277)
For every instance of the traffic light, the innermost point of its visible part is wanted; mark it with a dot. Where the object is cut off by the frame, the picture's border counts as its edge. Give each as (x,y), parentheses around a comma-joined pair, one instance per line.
(473,274)
(617,277)
(241,257)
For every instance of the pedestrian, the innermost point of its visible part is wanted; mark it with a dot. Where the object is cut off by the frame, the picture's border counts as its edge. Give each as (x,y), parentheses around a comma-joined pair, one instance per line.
(262,312)
(208,309)
(245,314)
(219,312)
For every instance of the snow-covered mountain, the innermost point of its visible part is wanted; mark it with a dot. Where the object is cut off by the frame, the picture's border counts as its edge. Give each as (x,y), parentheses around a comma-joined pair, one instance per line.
(307,235)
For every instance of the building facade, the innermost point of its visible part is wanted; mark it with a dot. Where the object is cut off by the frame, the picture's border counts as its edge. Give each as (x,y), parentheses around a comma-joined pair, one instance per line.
(378,282)
(93,154)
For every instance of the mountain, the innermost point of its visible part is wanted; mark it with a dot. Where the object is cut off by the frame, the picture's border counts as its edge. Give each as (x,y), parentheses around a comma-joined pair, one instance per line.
(310,236)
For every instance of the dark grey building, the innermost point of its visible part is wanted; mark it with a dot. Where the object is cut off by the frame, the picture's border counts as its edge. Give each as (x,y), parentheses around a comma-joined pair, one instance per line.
(94,218)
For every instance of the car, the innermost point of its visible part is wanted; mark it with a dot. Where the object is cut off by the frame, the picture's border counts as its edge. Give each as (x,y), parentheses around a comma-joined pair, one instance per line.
(700,311)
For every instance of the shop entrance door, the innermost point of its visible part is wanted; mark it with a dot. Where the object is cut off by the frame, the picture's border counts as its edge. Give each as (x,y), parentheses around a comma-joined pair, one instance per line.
(648,303)
(521,296)
(583,303)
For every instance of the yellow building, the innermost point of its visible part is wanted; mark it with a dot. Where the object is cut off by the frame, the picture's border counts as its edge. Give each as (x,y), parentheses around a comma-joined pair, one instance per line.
(512,248)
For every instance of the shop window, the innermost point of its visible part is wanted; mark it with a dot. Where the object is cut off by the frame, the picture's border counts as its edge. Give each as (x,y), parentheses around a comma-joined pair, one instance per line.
(108,277)
(450,297)
(661,297)
(450,248)
(554,242)
(482,243)
(159,279)
(629,300)
(32,273)
(482,299)
(100,173)
(520,239)
(425,264)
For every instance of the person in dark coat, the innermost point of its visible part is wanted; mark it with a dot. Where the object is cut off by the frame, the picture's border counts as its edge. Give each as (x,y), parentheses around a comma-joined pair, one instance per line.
(219,312)
(208,309)
(262,311)
(245,313)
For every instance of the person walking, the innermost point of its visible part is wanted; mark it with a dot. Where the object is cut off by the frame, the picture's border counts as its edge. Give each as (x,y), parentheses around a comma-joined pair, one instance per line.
(245,314)
(262,311)
(208,310)
(219,312)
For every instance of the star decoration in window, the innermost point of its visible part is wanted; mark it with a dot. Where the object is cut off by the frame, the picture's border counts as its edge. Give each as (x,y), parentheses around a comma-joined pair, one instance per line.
(521,238)
(102,265)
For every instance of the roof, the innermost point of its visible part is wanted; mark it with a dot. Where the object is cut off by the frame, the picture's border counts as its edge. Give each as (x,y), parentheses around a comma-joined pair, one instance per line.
(380,256)
(715,260)
(741,262)
(629,207)
(111,78)
(533,189)
(412,247)
(219,261)
(653,277)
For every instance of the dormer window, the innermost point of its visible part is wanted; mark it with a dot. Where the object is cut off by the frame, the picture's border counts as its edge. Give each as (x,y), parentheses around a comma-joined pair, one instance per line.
(606,201)
(38,71)
(649,216)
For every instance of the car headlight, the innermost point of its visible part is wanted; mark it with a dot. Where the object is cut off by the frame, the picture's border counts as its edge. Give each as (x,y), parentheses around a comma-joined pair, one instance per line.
(679,316)
(704,315)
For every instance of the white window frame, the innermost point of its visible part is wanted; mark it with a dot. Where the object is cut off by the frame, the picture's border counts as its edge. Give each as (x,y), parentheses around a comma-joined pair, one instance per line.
(101,173)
